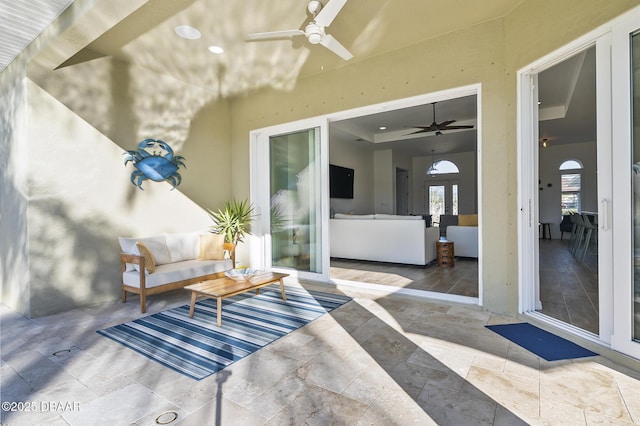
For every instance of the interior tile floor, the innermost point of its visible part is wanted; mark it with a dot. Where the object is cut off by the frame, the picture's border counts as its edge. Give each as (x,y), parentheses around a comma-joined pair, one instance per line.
(461,279)
(569,288)
(377,360)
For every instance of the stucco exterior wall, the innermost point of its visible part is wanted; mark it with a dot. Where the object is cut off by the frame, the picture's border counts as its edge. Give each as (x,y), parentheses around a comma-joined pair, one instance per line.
(81,118)
(77,198)
(466,57)
(489,54)
(14,247)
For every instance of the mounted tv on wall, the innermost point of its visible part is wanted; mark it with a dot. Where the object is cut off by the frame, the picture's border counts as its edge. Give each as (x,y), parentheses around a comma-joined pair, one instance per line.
(340,182)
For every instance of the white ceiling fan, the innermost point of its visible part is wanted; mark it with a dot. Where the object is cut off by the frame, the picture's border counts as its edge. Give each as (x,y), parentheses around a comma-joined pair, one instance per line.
(315,30)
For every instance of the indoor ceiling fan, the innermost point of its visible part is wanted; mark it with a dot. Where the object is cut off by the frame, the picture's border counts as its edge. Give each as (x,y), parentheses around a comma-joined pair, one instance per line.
(438,127)
(314,30)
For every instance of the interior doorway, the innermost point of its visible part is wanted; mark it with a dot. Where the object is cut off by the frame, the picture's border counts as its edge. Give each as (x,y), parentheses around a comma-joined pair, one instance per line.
(391,144)
(441,197)
(402,191)
(568,192)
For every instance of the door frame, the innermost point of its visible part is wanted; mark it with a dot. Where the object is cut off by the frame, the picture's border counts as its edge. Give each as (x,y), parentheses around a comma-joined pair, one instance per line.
(260,247)
(621,207)
(611,138)
(259,237)
(448,193)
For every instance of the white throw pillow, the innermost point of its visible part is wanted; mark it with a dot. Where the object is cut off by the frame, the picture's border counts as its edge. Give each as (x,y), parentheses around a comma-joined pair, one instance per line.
(183,246)
(157,246)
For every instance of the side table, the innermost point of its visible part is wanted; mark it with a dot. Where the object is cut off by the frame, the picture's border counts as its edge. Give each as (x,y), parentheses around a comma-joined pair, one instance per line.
(445,254)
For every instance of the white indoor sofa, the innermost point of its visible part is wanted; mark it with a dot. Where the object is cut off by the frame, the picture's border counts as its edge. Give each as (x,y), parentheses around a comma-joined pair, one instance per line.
(383,238)
(465,240)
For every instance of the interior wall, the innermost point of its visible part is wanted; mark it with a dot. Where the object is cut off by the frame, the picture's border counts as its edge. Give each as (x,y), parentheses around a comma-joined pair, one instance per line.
(403,161)
(467,181)
(360,159)
(383,181)
(550,159)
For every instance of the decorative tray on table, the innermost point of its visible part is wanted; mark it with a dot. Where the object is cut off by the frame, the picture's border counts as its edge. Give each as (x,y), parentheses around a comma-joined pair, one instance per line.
(241,274)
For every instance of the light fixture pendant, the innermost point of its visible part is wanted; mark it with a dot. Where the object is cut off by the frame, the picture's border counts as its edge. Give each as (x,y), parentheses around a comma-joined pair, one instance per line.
(432,170)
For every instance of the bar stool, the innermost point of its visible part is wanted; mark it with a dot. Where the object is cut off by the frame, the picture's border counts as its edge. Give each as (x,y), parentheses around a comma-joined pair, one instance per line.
(580,228)
(589,236)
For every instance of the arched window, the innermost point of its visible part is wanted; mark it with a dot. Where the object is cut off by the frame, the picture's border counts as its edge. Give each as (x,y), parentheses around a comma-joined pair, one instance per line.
(571,185)
(441,167)
(570,165)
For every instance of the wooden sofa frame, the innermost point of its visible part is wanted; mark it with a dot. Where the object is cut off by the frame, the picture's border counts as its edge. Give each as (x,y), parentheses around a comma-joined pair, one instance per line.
(143,291)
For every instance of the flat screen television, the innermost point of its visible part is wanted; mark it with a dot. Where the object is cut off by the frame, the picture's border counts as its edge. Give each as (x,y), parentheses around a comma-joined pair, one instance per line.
(340,182)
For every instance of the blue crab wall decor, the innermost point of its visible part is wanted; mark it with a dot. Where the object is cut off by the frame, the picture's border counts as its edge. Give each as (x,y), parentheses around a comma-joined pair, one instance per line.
(154,159)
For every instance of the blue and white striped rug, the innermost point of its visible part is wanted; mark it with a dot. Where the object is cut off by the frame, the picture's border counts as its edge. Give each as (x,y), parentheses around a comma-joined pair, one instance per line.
(197,347)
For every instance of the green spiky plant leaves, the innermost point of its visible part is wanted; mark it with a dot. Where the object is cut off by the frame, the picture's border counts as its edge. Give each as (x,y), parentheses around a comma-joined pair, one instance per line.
(234,221)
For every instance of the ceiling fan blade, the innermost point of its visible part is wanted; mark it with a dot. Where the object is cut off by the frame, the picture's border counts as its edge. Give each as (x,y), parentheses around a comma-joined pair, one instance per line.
(445,123)
(456,127)
(334,45)
(274,35)
(329,12)
(419,131)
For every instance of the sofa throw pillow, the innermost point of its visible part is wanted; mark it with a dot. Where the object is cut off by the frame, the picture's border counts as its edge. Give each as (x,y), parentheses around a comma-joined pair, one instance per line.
(183,246)
(211,247)
(468,220)
(158,246)
(149,261)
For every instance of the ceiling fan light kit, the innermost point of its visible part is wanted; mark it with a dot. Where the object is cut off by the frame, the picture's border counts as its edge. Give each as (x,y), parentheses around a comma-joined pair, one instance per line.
(314,31)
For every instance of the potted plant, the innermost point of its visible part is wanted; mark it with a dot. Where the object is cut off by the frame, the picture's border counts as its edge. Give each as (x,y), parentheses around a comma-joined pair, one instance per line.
(234,221)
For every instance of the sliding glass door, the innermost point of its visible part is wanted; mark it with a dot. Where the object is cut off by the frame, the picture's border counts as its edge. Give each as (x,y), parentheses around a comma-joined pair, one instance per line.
(294,189)
(635,147)
(626,207)
(612,236)
(288,185)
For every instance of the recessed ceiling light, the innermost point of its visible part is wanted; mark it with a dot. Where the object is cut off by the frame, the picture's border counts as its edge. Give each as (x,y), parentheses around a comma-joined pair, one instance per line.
(188,32)
(383,127)
(216,49)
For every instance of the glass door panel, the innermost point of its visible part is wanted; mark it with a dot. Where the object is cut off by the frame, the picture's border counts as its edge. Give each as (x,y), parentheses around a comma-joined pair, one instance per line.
(442,198)
(436,199)
(295,200)
(568,268)
(635,137)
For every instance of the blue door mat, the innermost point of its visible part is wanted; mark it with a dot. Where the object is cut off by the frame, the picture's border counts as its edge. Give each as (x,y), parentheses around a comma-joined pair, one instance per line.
(542,343)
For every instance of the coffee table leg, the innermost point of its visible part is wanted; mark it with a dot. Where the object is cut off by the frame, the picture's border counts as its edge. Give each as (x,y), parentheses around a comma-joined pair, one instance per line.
(192,309)
(219,311)
(284,296)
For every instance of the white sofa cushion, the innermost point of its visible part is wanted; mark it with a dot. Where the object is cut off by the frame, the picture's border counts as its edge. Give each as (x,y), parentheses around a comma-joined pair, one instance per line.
(178,271)
(465,240)
(183,245)
(396,217)
(353,216)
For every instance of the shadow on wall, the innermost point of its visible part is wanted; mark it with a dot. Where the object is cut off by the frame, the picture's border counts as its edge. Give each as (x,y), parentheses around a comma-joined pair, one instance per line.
(72,259)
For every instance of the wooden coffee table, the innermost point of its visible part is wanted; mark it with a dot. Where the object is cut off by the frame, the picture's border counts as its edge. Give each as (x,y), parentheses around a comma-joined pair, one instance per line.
(226,287)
